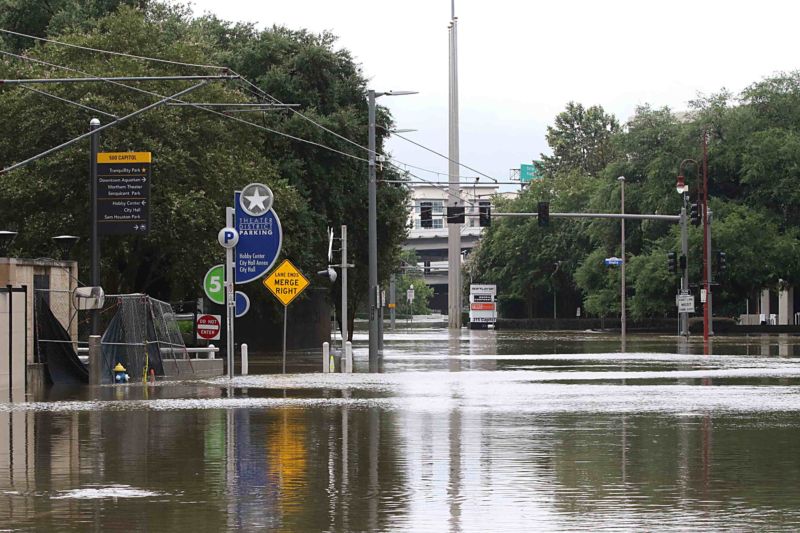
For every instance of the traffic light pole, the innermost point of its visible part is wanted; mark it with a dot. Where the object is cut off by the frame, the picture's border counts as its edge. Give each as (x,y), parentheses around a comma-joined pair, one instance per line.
(684,317)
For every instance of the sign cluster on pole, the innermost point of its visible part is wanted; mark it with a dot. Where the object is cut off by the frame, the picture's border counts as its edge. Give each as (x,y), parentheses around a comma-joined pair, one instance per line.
(123,193)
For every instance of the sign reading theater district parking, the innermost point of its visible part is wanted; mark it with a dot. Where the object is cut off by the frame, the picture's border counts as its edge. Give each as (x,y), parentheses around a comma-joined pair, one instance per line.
(123,193)
(286,282)
(260,234)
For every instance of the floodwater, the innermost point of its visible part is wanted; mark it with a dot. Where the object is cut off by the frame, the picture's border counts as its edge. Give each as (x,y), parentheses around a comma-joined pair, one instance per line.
(473,431)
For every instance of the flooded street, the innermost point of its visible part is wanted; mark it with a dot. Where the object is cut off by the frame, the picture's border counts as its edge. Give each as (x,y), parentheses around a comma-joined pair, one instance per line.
(473,431)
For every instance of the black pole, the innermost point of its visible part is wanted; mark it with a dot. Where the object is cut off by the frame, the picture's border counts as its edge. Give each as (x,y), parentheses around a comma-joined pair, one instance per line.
(95,138)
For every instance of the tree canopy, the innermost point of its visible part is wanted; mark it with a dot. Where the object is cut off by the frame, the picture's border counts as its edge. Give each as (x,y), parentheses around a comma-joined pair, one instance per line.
(754,157)
(200,157)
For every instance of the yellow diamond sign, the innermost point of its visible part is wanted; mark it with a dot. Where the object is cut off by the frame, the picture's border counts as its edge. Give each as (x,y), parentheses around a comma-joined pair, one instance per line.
(286,282)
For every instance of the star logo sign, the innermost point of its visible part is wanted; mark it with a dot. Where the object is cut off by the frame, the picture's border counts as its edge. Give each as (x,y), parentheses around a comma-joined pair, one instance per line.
(256,199)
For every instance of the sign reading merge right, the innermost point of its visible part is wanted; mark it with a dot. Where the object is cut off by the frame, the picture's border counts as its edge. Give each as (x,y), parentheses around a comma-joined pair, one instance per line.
(482,305)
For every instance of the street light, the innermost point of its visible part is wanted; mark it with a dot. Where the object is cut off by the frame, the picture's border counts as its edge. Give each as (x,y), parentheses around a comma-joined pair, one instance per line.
(65,244)
(373,228)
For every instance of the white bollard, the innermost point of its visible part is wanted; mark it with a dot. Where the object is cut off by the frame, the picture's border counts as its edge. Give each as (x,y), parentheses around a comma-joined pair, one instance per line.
(348,357)
(326,355)
(211,354)
(244,360)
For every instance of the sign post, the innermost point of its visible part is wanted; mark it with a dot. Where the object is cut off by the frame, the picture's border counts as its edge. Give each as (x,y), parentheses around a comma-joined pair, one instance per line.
(228,237)
(286,282)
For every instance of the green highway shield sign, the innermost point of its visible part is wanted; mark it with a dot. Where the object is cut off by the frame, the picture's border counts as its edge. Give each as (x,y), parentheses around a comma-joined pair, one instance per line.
(214,284)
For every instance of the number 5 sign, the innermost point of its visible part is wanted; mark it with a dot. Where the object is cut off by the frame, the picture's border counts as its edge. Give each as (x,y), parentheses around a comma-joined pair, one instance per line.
(214,284)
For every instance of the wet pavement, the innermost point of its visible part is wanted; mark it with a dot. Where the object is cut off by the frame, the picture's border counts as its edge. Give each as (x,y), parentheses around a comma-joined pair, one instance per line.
(473,431)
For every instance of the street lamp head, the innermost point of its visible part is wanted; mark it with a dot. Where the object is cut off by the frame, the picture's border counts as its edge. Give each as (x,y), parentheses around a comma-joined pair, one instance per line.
(400,93)
(621,178)
(65,244)
(680,185)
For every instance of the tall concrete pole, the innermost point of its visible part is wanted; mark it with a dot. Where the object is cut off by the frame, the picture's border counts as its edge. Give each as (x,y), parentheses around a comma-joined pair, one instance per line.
(373,241)
(454,199)
(94,321)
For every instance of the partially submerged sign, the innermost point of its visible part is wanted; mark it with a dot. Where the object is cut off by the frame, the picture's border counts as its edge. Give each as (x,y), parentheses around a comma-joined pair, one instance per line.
(482,304)
(286,282)
(123,193)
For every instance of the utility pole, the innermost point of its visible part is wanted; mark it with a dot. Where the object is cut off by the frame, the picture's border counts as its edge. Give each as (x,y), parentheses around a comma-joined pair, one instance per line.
(94,148)
(706,245)
(373,240)
(454,197)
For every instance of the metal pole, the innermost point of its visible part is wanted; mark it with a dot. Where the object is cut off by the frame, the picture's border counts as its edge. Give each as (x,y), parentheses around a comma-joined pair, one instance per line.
(373,240)
(392,300)
(706,243)
(622,270)
(94,124)
(381,298)
(230,296)
(344,287)
(285,310)
(454,200)
(685,274)
(709,296)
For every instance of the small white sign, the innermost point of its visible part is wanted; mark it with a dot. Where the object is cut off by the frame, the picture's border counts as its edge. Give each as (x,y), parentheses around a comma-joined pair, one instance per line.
(410,295)
(703,297)
(686,303)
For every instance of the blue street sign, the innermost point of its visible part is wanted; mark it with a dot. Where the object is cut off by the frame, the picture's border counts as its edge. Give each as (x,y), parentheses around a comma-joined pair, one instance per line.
(260,239)
(242,304)
(613,261)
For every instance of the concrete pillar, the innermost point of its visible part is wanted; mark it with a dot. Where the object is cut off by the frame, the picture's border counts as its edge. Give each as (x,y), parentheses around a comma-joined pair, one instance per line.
(95,360)
(765,304)
(786,306)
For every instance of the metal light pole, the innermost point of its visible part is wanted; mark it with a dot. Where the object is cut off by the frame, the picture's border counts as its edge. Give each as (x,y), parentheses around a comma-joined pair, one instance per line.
(373,229)
(621,180)
(94,148)
(682,189)
(454,198)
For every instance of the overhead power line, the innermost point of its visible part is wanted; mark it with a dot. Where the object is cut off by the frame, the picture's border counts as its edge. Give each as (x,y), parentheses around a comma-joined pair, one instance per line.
(68,101)
(122,54)
(259,91)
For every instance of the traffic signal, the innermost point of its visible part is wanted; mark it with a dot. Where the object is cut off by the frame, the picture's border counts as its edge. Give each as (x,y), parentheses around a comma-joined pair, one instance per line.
(484,215)
(544,214)
(672,263)
(694,214)
(426,214)
(455,214)
(682,262)
(722,262)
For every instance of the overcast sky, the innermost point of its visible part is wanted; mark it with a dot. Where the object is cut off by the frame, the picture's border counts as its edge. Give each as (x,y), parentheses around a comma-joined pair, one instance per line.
(521,61)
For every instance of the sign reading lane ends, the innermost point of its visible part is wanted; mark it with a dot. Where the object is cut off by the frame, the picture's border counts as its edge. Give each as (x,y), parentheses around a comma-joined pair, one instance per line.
(286,282)
(123,193)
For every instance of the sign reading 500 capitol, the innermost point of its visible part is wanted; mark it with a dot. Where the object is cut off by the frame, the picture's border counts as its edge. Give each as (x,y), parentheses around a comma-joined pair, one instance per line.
(260,234)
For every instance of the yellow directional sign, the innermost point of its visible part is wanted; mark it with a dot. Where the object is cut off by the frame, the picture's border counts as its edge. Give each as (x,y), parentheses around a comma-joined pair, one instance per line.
(286,282)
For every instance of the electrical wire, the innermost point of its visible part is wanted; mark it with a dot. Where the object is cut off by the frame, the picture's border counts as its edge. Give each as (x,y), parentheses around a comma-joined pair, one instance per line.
(212,111)
(68,101)
(263,93)
(122,54)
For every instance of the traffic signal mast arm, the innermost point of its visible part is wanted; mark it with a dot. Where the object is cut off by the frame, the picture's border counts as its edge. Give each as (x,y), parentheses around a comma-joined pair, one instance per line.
(626,216)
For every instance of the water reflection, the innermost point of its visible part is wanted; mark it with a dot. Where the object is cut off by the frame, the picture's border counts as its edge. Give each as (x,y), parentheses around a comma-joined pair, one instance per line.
(522,441)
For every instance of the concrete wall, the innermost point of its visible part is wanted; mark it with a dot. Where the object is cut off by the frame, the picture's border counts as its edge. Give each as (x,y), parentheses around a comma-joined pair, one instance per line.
(62,277)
